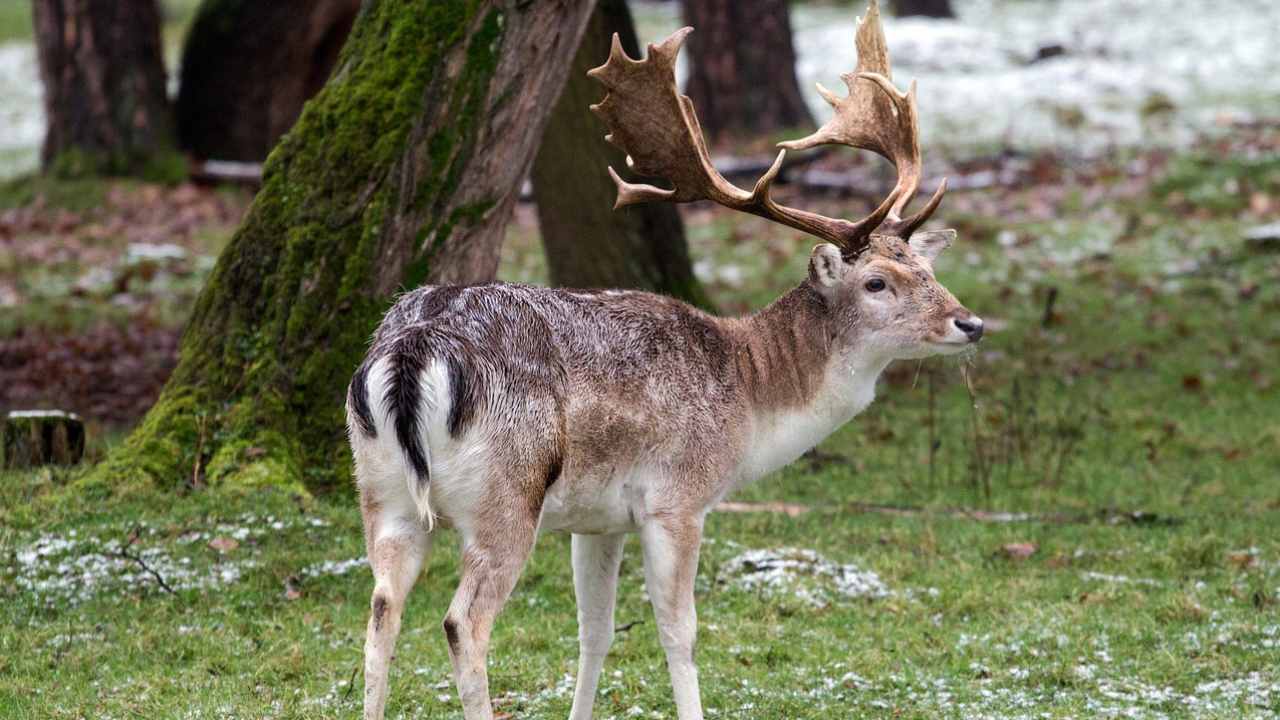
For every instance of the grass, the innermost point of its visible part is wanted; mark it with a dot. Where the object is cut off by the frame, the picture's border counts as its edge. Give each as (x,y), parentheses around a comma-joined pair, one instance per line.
(1130,426)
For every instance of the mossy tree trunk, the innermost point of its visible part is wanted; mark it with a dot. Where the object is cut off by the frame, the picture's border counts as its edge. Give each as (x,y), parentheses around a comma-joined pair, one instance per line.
(105,100)
(742,76)
(403,169)
(247,68)
(588,244)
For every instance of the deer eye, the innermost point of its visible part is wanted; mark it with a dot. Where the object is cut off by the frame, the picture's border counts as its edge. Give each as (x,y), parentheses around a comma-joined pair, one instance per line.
(874,285)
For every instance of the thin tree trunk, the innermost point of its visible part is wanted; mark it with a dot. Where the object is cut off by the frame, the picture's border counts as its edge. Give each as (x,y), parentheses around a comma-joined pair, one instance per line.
(247,68)
(403,169)
(925,8)
(742,77)
(104,87)
(587,243)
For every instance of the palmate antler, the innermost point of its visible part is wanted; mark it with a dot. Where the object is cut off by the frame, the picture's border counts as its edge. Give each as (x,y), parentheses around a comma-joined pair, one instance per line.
(656,126)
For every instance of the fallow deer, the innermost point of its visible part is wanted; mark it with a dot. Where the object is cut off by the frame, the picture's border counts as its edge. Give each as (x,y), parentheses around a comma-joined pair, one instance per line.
(504,410)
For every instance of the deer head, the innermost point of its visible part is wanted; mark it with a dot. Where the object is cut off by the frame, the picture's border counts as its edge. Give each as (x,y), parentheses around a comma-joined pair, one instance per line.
(876,273)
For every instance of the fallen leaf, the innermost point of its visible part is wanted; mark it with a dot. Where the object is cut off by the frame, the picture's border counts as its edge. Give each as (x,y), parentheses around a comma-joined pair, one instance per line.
(1243,560)
(1018,551)
(224,545)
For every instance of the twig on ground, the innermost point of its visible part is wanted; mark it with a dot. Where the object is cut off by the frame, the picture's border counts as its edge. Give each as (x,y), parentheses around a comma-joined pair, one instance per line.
(788,509)
(934,444)
(1106,515)
(628,626)
(981,462)
(124,553)
(1047,318)
(201,424)
(351,682)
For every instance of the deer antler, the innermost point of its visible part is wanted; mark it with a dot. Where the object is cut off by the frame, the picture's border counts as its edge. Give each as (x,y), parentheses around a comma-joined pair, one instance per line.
(876,116)
(656,126)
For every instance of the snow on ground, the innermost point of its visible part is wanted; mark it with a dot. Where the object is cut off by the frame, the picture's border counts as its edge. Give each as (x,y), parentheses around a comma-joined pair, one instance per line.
(1131,72)
(336,567)
(79,566)
(72,569)
(802,573)
(21,110)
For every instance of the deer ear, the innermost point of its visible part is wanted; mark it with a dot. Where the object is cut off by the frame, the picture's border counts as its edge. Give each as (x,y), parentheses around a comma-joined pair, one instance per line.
(930,244)
(826,266)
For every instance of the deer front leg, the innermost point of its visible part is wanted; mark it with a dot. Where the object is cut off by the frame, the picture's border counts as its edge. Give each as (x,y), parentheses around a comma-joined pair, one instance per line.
(595,584)
(670,565)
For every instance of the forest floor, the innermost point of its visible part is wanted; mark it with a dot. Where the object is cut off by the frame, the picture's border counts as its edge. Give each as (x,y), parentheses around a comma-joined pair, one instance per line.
(1077,521)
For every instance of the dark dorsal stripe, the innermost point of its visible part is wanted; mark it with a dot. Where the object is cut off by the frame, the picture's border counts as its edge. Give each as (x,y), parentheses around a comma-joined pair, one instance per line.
(404,399)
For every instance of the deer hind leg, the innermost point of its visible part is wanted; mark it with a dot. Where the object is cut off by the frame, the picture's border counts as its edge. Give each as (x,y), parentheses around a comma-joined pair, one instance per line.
(495,548)
(398,545)
(670,565)
(596,559)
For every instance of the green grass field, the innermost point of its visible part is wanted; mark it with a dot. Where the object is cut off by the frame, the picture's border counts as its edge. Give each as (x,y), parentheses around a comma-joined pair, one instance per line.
(1125,434)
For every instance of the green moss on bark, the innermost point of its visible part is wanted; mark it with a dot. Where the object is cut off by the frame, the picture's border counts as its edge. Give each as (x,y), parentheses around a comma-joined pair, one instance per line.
(287,312)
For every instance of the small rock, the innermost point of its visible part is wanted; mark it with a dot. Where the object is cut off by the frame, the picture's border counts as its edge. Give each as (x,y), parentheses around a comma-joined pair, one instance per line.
(1045,52)
(1264,237)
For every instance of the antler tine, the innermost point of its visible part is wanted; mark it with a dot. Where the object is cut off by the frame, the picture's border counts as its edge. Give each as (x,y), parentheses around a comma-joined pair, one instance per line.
(905,226)
(657,127)
(876,116)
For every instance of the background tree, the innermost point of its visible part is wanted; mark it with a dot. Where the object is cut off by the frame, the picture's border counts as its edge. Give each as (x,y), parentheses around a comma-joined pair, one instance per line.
(742,76)
(247,68)
(588,244)
(926,8)
(403,169)
(104,86)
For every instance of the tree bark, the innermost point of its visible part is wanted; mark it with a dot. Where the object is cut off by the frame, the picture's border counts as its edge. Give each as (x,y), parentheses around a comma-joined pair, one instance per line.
(925,8)
(247,68)
(42,437)
(589,244)
(742,77)
(403,169)
(104,87)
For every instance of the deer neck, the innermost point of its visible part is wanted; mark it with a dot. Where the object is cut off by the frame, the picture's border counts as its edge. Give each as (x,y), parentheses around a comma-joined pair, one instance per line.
(802,377)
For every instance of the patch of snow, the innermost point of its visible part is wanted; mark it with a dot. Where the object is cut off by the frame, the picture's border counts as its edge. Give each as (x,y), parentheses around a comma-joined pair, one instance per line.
(803,574)
(151,252)
(71,570)
(17,414)
(1131,72)
(335,567)
(1118,579)
(21,109)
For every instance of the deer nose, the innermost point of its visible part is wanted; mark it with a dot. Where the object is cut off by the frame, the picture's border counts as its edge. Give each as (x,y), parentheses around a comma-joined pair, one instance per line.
(971,326)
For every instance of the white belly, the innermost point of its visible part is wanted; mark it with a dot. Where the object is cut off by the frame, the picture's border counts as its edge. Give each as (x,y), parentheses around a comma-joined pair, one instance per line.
(596,505)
